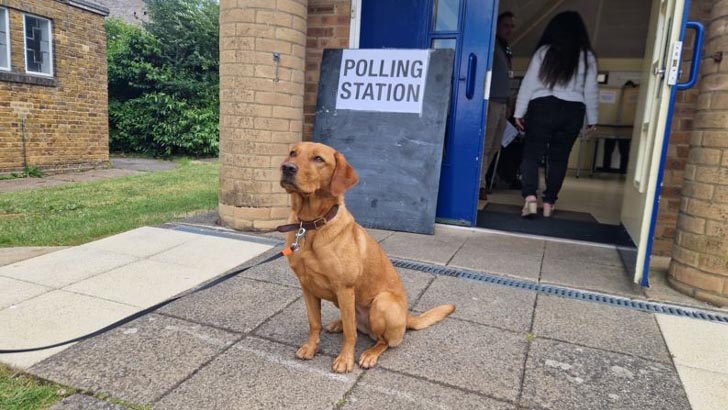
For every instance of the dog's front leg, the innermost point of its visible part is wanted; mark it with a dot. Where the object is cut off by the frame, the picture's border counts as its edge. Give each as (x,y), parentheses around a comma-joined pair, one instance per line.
(344,363)
(313,311)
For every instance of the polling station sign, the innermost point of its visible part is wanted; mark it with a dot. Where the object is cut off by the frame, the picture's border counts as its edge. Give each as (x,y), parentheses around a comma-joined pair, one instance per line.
(382,80)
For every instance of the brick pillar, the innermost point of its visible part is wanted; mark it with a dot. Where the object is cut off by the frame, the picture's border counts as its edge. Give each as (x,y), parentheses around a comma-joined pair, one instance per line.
(700,255)
(261,106)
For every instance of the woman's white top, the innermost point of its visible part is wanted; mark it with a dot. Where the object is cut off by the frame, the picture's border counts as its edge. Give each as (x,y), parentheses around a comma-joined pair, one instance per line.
(579,88)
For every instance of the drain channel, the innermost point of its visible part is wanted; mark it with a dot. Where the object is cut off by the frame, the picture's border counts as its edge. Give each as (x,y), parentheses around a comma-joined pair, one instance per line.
(644,306)
(564,292)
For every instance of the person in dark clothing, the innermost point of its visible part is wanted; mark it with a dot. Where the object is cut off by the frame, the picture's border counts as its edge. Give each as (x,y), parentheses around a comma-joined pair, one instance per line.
(500,91)
(559,87)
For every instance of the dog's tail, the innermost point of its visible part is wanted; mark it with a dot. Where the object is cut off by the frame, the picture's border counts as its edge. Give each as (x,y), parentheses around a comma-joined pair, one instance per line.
(430,317)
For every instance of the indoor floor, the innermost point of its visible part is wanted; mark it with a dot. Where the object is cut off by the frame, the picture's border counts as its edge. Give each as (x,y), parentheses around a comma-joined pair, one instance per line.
(599,195)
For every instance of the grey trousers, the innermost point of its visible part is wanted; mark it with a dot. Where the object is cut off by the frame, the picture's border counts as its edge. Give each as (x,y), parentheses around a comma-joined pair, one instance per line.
(494,127)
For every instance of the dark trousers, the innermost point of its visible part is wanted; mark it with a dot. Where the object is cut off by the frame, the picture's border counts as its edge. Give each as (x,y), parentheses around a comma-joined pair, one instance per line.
(609,144)
(552,126)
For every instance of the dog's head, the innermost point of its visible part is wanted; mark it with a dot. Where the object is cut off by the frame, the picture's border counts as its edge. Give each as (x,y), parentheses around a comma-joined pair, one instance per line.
(317,168)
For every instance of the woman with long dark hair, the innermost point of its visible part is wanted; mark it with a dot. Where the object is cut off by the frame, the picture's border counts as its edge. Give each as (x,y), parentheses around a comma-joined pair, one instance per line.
(559,87)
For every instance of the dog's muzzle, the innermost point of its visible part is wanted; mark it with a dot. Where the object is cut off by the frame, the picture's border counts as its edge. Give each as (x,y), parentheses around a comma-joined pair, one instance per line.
(288,169)
(288,174)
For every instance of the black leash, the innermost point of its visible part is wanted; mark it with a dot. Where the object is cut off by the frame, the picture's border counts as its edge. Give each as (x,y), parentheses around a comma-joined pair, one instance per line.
(147,310)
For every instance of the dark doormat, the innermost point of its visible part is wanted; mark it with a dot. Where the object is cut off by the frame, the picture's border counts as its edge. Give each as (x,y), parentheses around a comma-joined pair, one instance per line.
(564,225)
(559,214)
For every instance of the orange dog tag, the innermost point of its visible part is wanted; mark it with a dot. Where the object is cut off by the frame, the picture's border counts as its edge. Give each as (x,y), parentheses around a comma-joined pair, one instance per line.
(287,251)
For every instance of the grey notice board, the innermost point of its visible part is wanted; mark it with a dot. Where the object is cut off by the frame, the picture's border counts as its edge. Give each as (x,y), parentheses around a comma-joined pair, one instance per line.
(398,155)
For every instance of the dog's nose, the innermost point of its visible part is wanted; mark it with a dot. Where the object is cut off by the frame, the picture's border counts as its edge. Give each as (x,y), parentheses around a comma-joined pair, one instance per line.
(289,169)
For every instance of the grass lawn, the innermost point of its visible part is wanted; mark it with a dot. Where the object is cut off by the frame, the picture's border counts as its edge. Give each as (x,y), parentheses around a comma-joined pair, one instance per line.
(19,392)
(77,213)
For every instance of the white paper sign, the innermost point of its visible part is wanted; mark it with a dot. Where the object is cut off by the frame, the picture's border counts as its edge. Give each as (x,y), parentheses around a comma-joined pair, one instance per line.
(382,80)
(509,134)
(607,97)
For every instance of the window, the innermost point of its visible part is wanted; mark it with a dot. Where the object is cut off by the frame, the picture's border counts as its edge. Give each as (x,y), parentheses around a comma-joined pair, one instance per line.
(4,40)
(38,46)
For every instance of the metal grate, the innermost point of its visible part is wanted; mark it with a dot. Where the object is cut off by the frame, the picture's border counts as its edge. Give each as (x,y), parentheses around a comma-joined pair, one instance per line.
(564,292)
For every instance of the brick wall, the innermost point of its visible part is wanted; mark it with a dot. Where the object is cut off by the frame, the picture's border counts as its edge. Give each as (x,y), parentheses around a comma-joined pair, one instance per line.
(328,27)
(66,115)
(679,146)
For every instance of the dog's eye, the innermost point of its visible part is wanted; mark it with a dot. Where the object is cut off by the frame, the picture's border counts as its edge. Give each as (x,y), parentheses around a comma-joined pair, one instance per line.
(317,158)
(292,154)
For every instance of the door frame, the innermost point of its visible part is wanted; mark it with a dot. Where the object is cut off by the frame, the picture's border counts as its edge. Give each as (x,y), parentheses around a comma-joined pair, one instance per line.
(644,280)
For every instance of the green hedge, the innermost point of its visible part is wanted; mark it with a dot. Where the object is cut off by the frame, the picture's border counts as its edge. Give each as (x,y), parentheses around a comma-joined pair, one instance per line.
(163,80)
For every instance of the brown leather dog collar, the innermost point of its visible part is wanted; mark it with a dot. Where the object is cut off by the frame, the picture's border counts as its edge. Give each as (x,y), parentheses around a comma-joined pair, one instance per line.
(308,225)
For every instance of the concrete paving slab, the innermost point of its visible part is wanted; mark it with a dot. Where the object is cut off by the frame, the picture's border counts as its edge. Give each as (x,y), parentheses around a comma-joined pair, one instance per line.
(137,362)
(478,302)
(382,389)
(15,291)
(599,278)
(142,242)
(502,255)
(211,253)
(583,253)
(238,304)
(277,272)
(473,357)
(59,269)
(143,283)
(415,283)
(83,402)
(378,234)
(259,374)
(611,328)
(562,376)
(51,318)
(438,248)
(21,253)
(706,390)
(696,343)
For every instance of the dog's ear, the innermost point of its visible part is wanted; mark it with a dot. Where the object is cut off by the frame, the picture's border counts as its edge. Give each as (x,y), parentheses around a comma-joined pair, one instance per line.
(344,176)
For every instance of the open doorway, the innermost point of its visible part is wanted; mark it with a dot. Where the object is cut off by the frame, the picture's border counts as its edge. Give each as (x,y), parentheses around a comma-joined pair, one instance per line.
(590,202)
(638,44)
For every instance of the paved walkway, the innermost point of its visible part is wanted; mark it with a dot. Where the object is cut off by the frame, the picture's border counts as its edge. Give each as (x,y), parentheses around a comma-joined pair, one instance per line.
(120,167)
(74,291)
(232,346)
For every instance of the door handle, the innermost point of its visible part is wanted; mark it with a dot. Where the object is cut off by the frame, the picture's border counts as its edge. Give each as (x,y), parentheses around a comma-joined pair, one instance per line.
(470,78)
(697,51)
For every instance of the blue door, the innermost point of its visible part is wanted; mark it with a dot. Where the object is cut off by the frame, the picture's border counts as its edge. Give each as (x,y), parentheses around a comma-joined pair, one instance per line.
(468,27)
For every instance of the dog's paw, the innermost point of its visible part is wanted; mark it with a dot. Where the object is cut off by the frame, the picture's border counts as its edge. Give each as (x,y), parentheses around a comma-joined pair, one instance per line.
(335,327)
(344,363)
(368,359)
(307,352)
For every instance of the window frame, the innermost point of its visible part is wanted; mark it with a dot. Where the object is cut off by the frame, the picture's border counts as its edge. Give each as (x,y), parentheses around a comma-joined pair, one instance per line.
(50,46)
(7,40)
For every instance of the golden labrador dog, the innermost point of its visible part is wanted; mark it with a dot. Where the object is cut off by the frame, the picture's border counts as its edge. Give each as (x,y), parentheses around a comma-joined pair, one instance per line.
(335,259)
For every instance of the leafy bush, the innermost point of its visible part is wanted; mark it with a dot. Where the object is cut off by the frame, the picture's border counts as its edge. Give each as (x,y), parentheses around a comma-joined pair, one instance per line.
(163,80)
